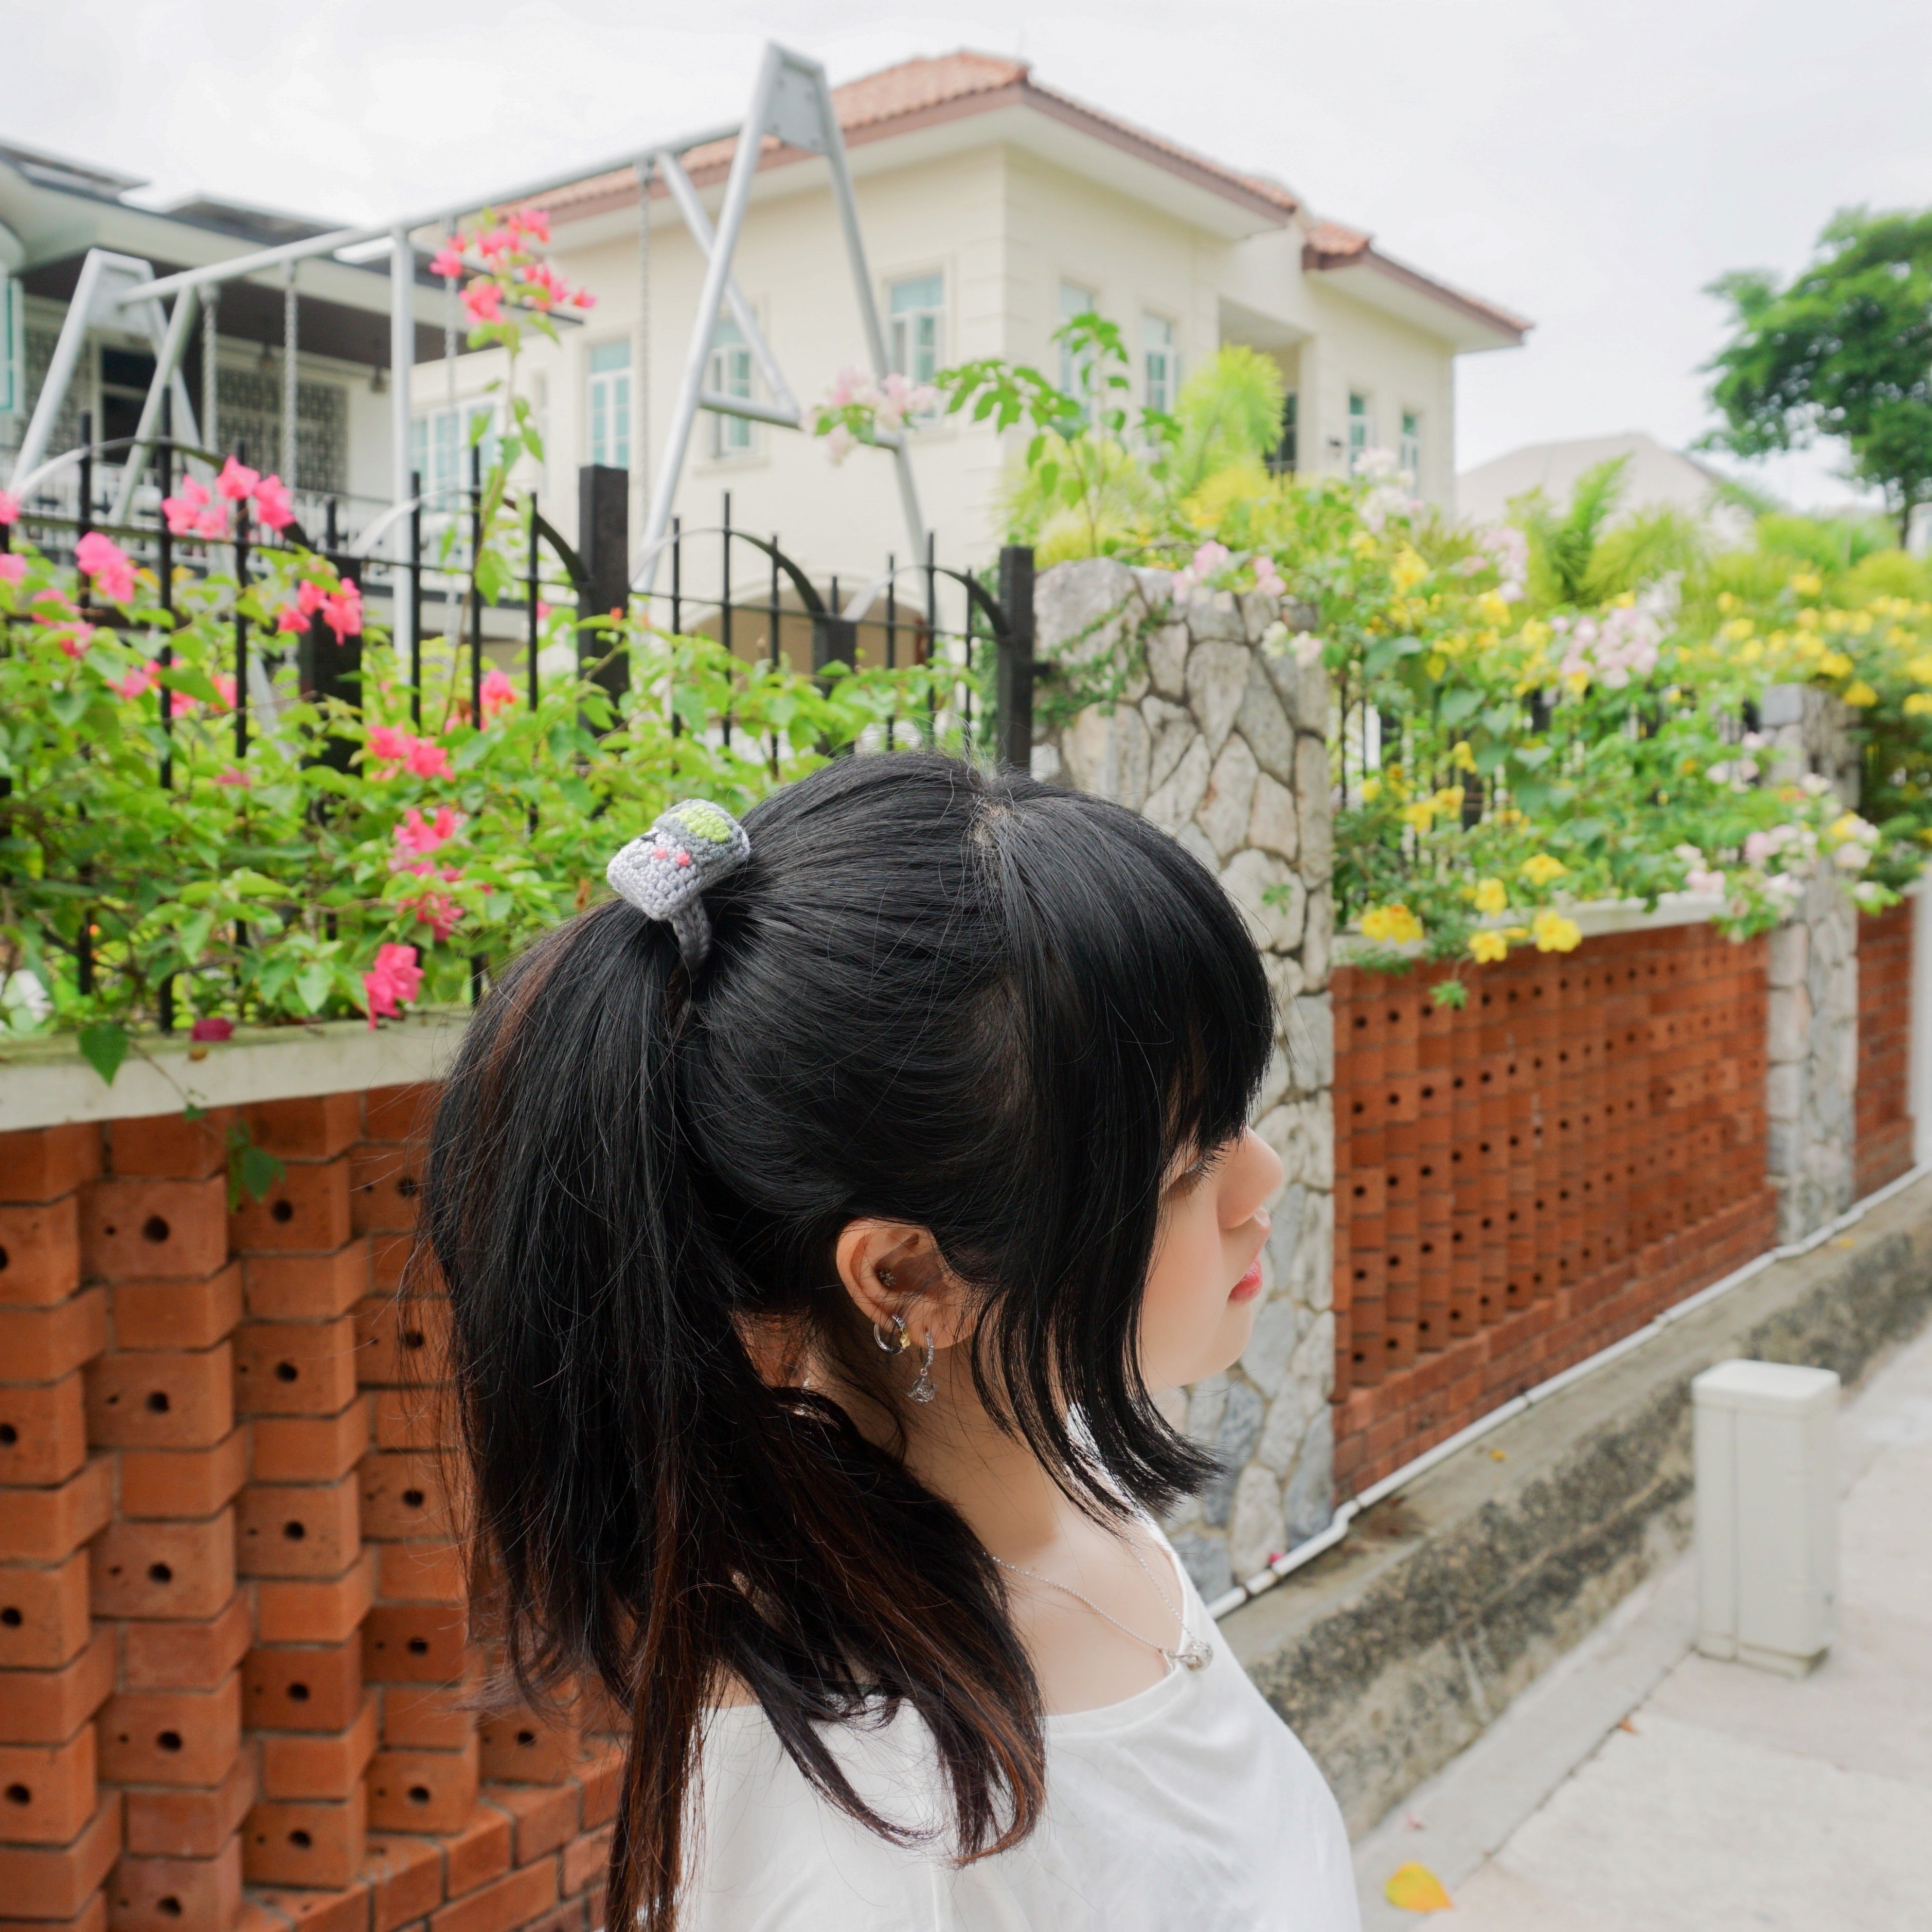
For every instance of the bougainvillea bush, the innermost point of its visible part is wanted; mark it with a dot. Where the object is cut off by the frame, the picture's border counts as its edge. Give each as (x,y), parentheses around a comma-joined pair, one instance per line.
(347,861)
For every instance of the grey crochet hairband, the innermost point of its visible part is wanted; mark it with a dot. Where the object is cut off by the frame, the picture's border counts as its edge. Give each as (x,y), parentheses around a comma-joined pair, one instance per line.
(666,873)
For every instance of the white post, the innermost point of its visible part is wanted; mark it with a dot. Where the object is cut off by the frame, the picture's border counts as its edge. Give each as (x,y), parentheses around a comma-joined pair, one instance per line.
(402,360)
(167,371)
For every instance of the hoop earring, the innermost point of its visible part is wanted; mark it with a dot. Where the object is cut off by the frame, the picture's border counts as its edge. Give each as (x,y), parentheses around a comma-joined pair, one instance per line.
(898,1342)
(923,1389)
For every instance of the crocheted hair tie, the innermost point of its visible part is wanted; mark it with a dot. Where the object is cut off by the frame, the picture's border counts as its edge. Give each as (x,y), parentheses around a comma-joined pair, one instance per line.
(665,873)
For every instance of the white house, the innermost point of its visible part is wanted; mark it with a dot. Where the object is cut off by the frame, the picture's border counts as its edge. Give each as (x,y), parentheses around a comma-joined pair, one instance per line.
(1653,477)
(992,208)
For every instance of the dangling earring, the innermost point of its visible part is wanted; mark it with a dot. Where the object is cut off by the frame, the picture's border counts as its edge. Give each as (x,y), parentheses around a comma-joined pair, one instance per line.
(923,1389)
(897,1341)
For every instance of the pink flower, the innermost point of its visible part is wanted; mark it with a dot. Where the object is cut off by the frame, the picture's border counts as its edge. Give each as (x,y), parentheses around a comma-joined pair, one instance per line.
(9,507)
(1210,557)
(438,911)
(231,777)
(272,504)
(499,692)
(543,286)
(416,837)
(109,565)
(138,682)
(12,567)
(342,613)
(535,222)
(237,481)
(1758,848)
(211,523)
(427,760)
(389,745)
(583,299)
(310,598)
(225,685)
(213,1028)
(74,642)
(448,262)
(184,510)
(484,302)
(497,241)
(543,609)
(291,619)
(393,982)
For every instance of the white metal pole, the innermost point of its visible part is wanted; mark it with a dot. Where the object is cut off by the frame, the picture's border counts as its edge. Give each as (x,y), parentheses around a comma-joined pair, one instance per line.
(60,366)
(402,360)
(167,366)
(731,219)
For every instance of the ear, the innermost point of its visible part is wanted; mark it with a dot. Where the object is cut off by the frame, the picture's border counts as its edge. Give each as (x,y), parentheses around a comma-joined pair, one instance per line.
(890,1268)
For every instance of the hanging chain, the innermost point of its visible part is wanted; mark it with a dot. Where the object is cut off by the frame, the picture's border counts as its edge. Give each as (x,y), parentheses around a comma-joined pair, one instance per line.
(1194,1653)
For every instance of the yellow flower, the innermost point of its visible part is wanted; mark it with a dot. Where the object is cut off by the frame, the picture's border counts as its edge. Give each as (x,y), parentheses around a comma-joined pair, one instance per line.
(1861,624)
(1420,816)
(1919,704)
(1449,800)
(1807,620)
(1407,569)
(1514,933)
(1578,682)
(1536,633)
(1462,757)
(1750,650)
(1488,947)
(1834,664)
(1540,869)
(1491,895)
(1494,606)
(1737,629)
(1436,663)
(1858,692)
(1920,667)
(1553,933)
(1726,601)
(1806,584)
(1391,924)
(1372,789)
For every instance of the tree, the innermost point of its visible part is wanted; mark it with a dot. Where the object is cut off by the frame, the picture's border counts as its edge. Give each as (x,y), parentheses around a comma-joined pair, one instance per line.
(1845,351)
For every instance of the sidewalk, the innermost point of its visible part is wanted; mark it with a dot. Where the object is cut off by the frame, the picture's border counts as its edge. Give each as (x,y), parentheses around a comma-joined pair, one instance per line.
(1639,1785)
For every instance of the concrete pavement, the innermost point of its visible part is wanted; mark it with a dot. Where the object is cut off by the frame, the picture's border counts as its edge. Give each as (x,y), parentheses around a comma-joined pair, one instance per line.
(1637,1785)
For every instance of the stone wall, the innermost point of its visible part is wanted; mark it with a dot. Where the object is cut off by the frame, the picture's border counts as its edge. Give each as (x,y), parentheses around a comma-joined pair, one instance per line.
(1207,723)
(1812,1030)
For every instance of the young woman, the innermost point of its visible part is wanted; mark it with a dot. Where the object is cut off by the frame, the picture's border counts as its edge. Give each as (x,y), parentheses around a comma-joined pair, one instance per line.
(820,1217)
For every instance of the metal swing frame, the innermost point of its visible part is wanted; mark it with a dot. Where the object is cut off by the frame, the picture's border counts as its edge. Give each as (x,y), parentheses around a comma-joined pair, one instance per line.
(791,101)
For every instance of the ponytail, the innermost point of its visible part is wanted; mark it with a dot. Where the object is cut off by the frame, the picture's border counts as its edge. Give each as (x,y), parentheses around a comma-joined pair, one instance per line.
(631,1167)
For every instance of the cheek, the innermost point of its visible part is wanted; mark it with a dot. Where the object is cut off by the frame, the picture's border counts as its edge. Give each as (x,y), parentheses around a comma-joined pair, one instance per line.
(1187,1300)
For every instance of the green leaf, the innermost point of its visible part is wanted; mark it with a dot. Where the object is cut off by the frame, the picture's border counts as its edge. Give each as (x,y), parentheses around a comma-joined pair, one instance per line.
(1458,705)
(70,705)
(104,1045)
(1449,993)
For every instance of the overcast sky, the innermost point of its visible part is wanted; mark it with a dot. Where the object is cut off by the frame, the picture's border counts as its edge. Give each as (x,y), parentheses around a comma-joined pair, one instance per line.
(1589,165)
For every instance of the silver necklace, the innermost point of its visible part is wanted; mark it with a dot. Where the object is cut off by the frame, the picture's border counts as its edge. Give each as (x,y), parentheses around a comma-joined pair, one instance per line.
(1195,1654)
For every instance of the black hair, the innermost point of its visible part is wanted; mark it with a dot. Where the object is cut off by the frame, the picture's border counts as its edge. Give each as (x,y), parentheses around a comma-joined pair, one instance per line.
(982,1006)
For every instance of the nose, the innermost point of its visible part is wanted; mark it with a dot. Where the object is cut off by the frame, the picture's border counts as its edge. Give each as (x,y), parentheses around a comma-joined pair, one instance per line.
(1254,1178)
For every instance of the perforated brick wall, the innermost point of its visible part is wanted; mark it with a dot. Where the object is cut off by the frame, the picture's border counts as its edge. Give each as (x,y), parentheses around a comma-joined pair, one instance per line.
(1884,1143)
(237,1685)
(1522,1182)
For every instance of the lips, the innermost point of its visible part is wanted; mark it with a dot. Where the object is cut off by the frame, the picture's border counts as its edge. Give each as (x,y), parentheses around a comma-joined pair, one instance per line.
(1249,1285)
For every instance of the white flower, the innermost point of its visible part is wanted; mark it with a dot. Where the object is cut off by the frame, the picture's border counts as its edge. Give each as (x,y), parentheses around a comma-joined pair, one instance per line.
(1274,639)
(1851,857)
(1816,786)
(839,443)
(23,997)
(1307,650)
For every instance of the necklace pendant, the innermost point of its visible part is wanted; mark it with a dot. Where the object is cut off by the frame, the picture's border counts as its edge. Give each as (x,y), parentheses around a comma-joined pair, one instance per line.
(1195,1655)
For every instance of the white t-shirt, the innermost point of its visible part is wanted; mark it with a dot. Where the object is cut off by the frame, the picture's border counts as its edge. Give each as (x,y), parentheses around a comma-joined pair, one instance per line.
(1188,1808)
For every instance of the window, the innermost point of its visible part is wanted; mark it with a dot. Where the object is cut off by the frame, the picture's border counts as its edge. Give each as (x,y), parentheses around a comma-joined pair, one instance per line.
(1361,431)
(1288,452)
(610,404)
(915,310)
(731,375)
(1160,362)
(1075,369)
(440,451)
(1411,453)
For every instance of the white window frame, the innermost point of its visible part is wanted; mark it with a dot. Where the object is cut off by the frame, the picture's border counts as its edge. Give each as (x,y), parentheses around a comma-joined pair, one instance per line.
(1409,449)
(434,431)
(729,370)
(917,361)
(1361,426)
(1167,353)
(607,394)
(1075,298)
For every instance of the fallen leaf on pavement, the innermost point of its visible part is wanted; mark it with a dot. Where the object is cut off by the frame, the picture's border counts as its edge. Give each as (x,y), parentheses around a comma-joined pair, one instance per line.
(1416,1889)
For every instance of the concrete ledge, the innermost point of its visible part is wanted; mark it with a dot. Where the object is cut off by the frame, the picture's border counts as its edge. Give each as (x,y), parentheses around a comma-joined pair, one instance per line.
(1391,1653)
(44,1082)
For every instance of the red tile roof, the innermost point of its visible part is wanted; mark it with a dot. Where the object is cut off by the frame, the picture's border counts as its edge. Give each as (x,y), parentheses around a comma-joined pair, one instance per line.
(917,93)
(1329,244)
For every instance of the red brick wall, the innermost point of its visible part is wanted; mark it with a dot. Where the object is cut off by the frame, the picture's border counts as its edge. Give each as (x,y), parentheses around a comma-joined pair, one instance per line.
(1522,1182)
(1883,1148)
(234,1661)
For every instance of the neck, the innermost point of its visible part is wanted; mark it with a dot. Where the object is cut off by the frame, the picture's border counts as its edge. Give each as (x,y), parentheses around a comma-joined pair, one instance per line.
(1006,1496)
